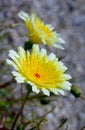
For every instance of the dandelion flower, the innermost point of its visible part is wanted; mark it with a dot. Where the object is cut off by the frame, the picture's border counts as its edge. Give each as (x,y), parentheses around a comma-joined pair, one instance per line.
(43,72)
(39,33)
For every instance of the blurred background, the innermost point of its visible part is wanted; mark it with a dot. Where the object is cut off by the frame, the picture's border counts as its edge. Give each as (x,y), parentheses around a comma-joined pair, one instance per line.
(68,19)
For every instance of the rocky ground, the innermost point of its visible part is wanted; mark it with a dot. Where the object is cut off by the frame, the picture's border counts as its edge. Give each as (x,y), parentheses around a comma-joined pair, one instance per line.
(68,18)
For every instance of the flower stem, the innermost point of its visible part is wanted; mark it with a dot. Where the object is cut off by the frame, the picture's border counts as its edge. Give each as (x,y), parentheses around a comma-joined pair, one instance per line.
(17,116)
(82,97)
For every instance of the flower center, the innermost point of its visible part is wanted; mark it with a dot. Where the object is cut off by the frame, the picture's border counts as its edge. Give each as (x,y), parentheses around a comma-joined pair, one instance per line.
(37,75)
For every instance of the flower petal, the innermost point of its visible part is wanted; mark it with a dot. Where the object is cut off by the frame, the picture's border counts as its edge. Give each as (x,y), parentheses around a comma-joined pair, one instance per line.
(13,54)
(45,91)
(18,77)
(54,90)
(67,85)
(51,56)
(43,52)
(61,91)
(10,62)
(23,15)
(35,89)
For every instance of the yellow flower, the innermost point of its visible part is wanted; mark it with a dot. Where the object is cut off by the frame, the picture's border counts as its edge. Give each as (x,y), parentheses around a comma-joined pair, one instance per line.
(39,33)
(43,72)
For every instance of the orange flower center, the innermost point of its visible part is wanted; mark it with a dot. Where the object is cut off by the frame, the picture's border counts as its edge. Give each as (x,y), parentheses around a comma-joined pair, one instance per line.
(37,75)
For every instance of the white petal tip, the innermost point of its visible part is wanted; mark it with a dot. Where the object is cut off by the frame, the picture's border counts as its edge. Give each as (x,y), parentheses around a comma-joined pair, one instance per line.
(8,61)
(58,46)
(46,92)
(35,89)
(23,15)
(18,77)
(61,41)
(67,86)
(52,56)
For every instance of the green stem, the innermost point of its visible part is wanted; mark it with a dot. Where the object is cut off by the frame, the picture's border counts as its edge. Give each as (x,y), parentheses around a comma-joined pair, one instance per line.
(62,124)
(36,96)
(17,116)
(82,97)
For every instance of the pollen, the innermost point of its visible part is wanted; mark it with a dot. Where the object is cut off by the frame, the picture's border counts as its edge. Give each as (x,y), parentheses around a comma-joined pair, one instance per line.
(37,75)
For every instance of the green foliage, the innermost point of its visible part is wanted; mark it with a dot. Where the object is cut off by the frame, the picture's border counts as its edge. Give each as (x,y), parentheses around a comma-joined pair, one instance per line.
(44,101)
(3,106)
(29,87)
(28,45)
(20,127)
(3,92)
(76,91)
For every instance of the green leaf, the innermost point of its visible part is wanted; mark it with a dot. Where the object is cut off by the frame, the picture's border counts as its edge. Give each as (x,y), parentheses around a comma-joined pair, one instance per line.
(3,106)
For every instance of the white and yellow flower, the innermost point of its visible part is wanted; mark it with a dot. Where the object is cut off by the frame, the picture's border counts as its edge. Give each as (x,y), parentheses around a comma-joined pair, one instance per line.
(39,33)
(43,72)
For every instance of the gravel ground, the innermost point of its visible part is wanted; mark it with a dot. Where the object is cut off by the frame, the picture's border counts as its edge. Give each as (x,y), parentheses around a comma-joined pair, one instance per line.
(68,18)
